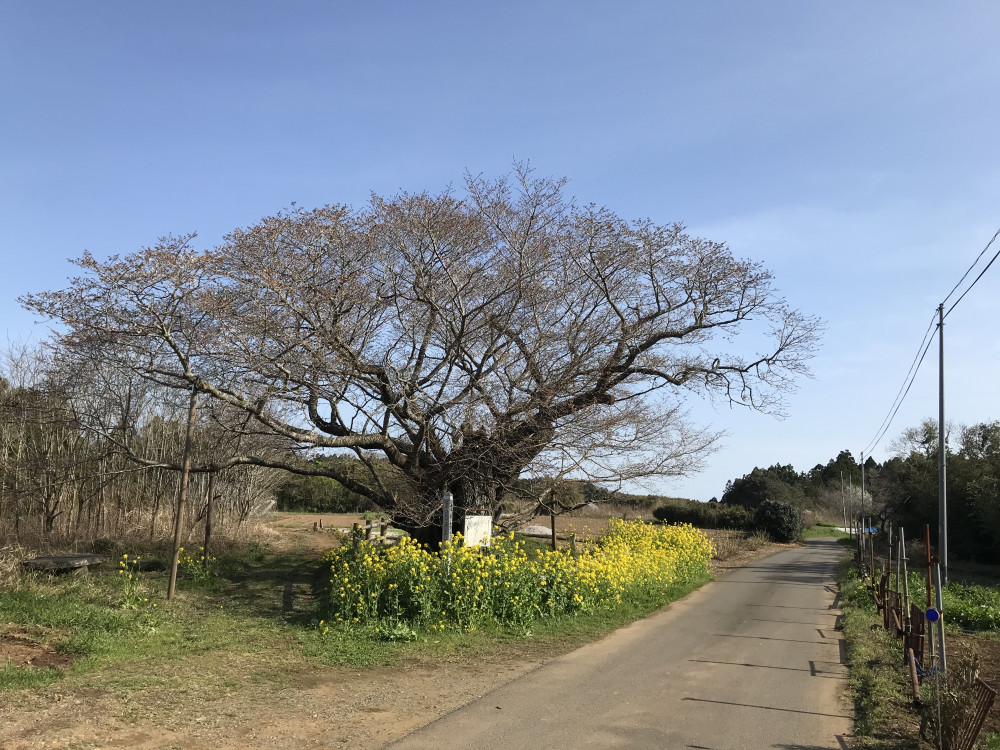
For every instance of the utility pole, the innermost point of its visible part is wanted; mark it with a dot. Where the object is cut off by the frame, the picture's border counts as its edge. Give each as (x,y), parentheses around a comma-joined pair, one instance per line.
(942,466)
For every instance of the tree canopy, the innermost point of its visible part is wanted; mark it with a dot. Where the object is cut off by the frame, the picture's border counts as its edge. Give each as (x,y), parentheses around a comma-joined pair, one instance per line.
(462,340)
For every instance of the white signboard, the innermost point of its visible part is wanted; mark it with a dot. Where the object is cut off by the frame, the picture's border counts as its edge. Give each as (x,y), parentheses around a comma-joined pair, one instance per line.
(478,530)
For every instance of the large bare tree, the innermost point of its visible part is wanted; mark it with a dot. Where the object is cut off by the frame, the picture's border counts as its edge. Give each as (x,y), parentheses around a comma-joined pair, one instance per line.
(455,341)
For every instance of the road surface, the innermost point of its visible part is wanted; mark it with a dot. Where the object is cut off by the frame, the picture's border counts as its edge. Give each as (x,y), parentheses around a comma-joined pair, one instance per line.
(749,661)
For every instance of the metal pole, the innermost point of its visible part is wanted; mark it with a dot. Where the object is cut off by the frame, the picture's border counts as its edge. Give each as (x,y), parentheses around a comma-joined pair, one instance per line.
(942,468)
(940,622)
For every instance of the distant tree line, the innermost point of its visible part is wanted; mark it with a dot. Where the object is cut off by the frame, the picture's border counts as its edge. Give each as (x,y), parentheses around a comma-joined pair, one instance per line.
(905,487)
(902,490)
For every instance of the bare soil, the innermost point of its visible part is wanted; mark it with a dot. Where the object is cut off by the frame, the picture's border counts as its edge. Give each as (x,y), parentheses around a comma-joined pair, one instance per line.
(316,707)
(291,706)
(21,647)
(987,651)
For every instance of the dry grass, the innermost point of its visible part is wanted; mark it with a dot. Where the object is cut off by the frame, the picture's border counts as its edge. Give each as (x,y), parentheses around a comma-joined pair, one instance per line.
(11,571)
(733,549)
(730,544)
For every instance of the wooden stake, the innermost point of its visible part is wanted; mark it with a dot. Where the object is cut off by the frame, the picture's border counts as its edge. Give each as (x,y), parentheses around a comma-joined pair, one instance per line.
(182,492)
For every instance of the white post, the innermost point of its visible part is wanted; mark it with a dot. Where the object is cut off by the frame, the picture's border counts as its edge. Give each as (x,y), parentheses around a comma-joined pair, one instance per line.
(446,509)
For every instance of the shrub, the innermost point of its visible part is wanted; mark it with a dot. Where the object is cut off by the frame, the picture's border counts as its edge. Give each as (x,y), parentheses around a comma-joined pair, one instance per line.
(781,521)
(704,515)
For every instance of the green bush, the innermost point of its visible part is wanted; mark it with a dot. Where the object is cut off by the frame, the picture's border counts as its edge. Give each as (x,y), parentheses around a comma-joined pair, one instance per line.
(704,515)
(781,521)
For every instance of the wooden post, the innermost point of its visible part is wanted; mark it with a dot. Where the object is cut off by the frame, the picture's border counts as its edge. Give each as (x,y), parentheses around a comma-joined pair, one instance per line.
(182,492)
(888,560)
(384,532)
(356,536)
(911,661)
(368,530)
(552,523)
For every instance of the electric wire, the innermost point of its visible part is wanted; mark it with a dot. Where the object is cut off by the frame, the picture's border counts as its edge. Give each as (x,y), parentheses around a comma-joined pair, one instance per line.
(904,389)
(926,342)
(969,289)
(969,270)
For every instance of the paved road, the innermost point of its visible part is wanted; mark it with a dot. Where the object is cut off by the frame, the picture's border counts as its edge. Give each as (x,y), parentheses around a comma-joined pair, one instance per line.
(749,661)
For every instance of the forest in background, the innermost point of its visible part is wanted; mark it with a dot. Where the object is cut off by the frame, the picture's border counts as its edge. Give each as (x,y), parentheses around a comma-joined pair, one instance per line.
(902,490)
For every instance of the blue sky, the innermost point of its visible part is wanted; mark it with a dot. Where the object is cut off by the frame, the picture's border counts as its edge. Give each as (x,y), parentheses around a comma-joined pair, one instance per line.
(851,147)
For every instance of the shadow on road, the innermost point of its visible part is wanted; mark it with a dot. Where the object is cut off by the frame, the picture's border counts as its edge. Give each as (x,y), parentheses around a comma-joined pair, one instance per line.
(768,708)
(813,670)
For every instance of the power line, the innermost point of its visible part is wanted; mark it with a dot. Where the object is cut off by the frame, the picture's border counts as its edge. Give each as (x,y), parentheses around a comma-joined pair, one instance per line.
(926,342)
(904,389)
(969,270)
(969,289)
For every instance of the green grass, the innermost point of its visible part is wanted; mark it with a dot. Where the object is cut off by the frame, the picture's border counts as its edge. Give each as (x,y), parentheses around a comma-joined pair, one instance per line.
(877,682)
(823,530)
(255,620)
(974,607)
(19,678)
(967,606)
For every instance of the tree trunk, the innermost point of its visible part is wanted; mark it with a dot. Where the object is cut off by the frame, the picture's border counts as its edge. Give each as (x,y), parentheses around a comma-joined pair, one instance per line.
(182,492)
(466,496)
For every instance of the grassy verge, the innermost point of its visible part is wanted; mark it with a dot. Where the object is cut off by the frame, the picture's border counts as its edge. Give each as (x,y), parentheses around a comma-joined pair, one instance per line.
(252,623)
(884,718)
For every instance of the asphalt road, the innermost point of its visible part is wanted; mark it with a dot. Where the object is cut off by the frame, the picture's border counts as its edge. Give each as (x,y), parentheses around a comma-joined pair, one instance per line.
(749,661)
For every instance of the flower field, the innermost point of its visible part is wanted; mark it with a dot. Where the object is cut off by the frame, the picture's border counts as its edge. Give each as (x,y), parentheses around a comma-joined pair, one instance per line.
(462,587)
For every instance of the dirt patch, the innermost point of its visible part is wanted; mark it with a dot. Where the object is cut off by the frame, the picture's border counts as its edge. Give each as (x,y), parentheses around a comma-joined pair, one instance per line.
(313,532)
(19,647)
(987,649)
(307,707)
